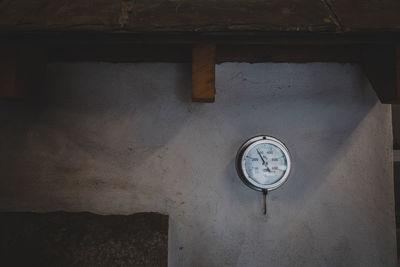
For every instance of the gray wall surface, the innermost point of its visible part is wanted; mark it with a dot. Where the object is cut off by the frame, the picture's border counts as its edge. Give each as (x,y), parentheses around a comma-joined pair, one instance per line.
(126,138)
(396,126)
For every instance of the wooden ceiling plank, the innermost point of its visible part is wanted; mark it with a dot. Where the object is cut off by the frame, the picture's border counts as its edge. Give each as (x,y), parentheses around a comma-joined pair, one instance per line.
(367,16)
(138,16)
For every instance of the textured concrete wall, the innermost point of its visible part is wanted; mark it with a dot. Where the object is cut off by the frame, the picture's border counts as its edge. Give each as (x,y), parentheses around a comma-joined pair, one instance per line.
(396,126)
(125,138)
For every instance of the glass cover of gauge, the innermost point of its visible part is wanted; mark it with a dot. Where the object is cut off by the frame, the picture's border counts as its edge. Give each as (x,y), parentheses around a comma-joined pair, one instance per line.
(263,162)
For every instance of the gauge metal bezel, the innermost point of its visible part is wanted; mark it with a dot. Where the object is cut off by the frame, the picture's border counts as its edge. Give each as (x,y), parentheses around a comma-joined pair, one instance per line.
(247,146)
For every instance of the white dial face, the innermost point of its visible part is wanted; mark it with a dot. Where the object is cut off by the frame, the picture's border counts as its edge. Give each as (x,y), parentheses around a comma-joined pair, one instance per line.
(264,164)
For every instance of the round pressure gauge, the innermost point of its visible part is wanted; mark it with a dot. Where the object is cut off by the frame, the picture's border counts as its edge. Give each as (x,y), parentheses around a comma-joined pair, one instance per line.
(263,163)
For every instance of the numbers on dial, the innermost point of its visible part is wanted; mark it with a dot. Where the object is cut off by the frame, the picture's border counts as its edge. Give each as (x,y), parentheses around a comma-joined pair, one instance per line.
(265,163)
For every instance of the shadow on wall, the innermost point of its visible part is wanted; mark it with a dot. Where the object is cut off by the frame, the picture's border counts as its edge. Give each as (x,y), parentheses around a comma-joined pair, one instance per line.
(78,130)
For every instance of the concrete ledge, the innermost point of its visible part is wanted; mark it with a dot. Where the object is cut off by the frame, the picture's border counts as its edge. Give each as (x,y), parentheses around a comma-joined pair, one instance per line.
(83,239)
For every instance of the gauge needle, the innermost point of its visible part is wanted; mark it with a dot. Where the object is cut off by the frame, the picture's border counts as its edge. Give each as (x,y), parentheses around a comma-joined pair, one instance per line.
(264,162)
(261,156)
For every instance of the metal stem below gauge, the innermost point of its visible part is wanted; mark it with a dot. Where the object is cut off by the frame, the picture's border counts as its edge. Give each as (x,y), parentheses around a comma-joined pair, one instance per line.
(265,193)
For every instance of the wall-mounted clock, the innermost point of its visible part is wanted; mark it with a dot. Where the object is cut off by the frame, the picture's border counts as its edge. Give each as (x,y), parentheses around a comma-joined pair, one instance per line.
(263,163)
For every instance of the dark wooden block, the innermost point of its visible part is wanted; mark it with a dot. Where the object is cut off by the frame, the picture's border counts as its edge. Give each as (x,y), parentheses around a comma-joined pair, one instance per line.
(203,72)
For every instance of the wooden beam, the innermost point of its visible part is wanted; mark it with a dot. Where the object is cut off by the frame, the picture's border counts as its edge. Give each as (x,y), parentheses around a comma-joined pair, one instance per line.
(203,72)
(381,64)
(361,15)
(252,53)
(120,53)
(21,70)
(164,16)
(199,16)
